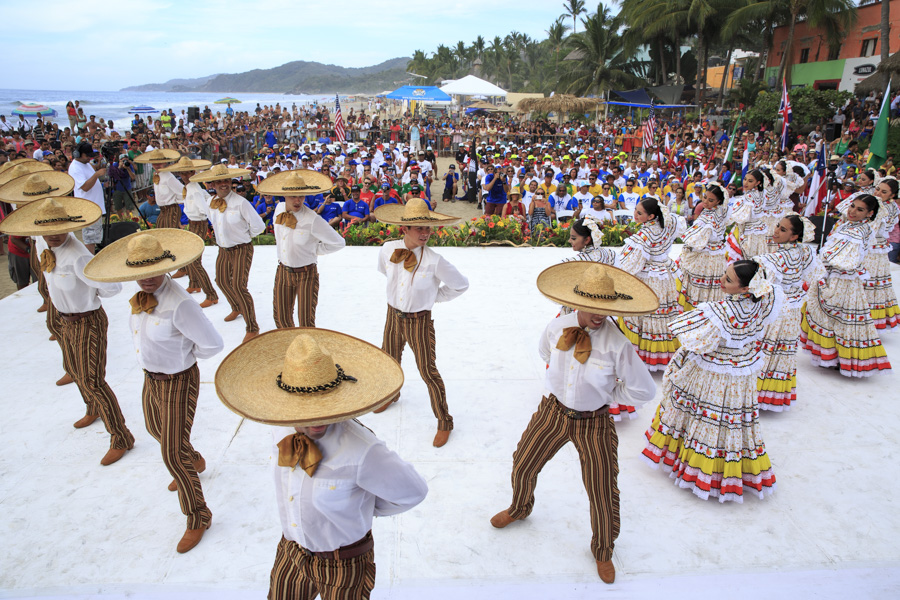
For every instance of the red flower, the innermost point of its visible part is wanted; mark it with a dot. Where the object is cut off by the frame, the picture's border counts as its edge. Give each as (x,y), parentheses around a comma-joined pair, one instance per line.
(491,224)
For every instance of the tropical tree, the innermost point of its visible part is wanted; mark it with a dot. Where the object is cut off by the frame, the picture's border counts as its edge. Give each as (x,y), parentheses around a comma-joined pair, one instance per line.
(597,62)
(556,34)
(573,8)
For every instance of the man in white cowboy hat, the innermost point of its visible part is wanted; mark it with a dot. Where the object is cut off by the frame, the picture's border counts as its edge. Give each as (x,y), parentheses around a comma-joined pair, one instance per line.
(417,277)
(170,332)
(83,323)
(332,474)
(196,207)
(88,187)
(235,223)
(591,365)
(300,236)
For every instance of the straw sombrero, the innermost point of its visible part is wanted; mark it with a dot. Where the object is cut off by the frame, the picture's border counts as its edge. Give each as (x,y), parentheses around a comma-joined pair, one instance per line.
(414,214)
(23,169)
(219,172)
(145,254)
(18,161)
(37,185)
(51,216)
(187,164)
(251,381)
(597,288)
(158,156)
(299,182)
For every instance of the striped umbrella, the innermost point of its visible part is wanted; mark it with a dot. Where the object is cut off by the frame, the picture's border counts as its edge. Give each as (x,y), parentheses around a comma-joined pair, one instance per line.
(227,101)
(134,110)
(31,110)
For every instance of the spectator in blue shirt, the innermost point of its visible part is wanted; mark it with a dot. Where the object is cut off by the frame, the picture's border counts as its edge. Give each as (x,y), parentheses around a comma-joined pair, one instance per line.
(266,208)
(314,201)
(330,210)
(356,210)
(150,210)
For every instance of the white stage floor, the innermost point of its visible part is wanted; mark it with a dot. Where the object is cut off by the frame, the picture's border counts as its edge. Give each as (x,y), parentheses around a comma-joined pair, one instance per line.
(74,529)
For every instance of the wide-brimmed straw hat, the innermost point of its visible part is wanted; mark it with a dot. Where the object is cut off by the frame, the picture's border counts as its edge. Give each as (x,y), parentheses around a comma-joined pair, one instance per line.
(187,164)
(305,377)
(414,214)
(219,172)
(299,182)
(158,156)
(145,254)
(43,184)
(27,167)
(16,161)
(51,216)
(597,288)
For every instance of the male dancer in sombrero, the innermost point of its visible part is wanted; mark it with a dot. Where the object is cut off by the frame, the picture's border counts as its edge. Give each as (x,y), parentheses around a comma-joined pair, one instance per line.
(196,207)
(417,277)
(169,192)
(300,236)
(235,223)
(332,475)
(586,355)
(170,332)
(83,323)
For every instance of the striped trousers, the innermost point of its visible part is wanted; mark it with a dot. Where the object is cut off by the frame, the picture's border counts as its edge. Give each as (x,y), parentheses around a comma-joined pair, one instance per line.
(83,343)
(298,576)
(169,217)
(232,274)
(197,275)
(597,443)
(302,286)
(169,408)
(418,332)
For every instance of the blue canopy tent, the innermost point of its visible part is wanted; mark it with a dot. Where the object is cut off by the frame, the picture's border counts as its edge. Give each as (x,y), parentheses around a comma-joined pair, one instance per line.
(428,94)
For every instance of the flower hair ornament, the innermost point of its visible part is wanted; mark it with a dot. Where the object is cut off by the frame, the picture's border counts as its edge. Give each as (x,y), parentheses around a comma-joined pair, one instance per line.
(721,187)
(596,234)
(759,285)
(809,230)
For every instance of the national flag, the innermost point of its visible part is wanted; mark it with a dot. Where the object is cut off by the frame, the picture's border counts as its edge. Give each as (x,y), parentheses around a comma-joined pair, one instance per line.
(668,145)
(817,185)
(650,127)
(730,151)
(745,162)
(878,147)
(338,120)
(733,246)
(786,115)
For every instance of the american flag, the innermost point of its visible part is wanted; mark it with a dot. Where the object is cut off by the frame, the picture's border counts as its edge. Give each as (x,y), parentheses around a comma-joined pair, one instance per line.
(650,127)
(785,111)
(338,119)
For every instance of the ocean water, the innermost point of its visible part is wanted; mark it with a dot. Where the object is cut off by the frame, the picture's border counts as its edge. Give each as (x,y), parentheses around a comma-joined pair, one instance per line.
(115,105)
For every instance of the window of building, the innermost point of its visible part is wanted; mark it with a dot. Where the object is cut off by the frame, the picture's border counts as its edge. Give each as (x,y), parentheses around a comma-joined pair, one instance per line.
(804,55)
(834,54)
(868,47)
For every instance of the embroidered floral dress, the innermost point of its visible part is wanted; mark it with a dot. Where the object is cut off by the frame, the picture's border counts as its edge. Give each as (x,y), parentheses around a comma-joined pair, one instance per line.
(789,267)
(749,213)
(880,291)
(702,258)
(706,429)
(837,326)
(646,255)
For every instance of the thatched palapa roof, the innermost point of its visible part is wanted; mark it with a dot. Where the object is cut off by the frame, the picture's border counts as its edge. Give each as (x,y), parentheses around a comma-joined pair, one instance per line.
(875,81)
(560,103)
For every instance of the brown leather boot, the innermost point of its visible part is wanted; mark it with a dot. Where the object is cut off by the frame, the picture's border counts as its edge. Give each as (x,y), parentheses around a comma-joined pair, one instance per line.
(113,455)
(440,438)
(232,316)
(502,519)
(250,335)
(209,302)
(193,290)
(65,380)
(384,406)
(191,538)
(606,571)
(43,307)
(179,273)
(85,421)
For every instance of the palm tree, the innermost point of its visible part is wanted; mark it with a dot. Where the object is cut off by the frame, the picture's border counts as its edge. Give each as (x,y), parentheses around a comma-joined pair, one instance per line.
(555,36)
(597,62)
(885,37)
(574,8)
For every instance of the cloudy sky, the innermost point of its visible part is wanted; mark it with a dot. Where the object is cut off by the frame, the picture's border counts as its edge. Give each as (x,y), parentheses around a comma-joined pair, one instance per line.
(110,44)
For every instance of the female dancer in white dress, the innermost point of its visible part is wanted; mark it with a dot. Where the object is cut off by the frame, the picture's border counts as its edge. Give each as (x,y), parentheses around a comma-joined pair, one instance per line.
(646,255)
(789,267)
(749,213)
(702,258)
(706,429)
(880,288)
(837,326)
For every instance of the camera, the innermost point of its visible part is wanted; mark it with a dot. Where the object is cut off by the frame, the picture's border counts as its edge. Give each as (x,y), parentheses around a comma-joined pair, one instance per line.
(111,151)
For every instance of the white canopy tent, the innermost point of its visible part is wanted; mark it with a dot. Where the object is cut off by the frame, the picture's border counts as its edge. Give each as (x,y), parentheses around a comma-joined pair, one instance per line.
(472,86)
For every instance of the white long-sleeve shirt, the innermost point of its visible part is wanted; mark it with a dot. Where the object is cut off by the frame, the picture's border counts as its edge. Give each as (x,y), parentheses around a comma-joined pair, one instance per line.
(358,478)
(311,237)
(238,224)
(168,190)
(196,202)
(591,385)
(177,332)
(70,290)
(433,280)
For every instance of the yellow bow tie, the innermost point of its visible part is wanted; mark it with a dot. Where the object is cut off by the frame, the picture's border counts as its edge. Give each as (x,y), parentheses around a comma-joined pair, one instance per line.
(297,449)
(48,260)
(218,203)
(156,179)
(143,302)
(578,337)
(183,193)
(287,219)
(406,257)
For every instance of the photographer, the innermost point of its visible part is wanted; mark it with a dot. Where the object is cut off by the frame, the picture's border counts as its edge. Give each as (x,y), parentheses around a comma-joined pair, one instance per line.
(496,185)
(121,176)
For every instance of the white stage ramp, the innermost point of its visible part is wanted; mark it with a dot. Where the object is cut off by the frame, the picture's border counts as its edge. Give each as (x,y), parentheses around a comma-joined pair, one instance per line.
(71,528)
